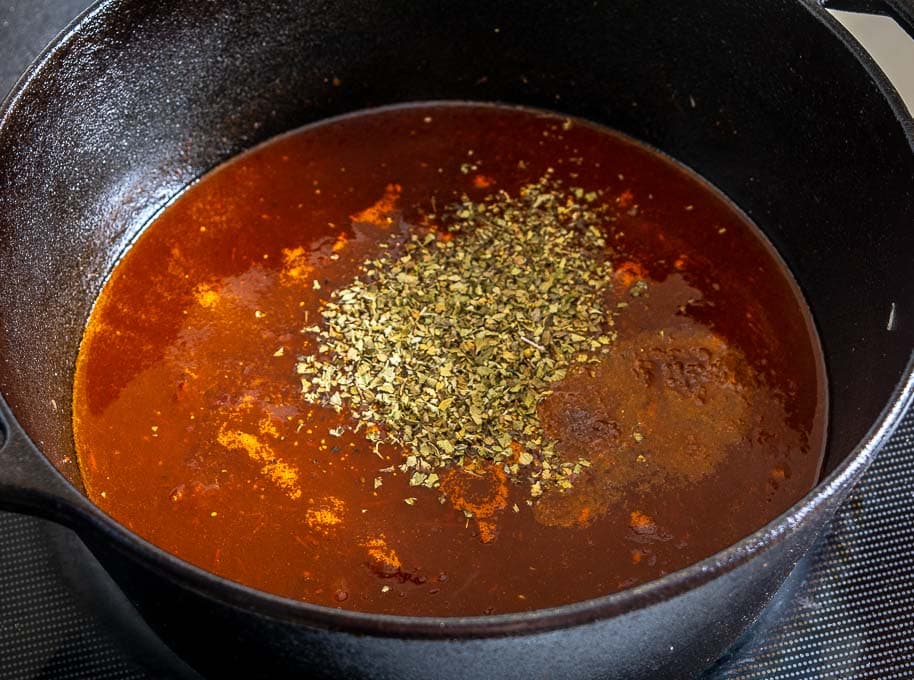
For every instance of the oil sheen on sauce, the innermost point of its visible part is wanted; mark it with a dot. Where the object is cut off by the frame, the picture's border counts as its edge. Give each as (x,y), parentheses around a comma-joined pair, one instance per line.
(704,421)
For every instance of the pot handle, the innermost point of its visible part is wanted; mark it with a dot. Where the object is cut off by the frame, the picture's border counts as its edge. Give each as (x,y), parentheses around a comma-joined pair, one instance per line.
(29,484)
(902,11)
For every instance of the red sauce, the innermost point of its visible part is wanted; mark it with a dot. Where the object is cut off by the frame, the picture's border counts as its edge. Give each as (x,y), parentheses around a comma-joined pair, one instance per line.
(704,422)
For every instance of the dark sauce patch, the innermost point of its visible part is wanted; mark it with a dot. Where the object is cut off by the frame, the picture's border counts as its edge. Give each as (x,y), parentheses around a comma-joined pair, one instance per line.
(705,422)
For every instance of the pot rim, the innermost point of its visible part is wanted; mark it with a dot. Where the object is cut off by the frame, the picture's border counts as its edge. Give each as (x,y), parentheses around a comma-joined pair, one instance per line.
(818,502)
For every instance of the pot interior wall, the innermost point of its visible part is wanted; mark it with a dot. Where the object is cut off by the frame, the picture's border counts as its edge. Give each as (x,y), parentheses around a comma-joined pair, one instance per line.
(760,98)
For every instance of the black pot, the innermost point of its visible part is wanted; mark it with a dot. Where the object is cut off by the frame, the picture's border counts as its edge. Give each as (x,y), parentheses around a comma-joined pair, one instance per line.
(771,101)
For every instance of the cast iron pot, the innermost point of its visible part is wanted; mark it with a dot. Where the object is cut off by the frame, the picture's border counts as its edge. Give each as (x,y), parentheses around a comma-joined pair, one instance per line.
(771,101)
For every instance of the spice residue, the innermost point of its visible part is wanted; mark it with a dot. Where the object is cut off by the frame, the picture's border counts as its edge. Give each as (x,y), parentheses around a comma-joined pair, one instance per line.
(381,557)
(480,492)
(259,450)
(326,513)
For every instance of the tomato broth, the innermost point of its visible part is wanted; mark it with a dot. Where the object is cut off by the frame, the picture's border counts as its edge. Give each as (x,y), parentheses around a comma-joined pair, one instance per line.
(699,418)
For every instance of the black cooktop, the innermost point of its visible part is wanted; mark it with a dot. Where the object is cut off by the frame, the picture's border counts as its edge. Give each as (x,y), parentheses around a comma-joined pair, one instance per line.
(846,612)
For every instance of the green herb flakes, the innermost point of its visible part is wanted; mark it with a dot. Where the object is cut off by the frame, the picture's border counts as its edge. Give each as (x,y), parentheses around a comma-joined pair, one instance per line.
(446,344)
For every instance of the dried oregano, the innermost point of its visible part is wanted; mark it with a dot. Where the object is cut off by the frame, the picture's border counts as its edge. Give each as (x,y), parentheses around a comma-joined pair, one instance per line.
(446,344)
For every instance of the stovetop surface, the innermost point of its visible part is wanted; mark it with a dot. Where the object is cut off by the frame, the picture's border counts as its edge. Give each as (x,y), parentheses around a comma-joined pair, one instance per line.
(846,612)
